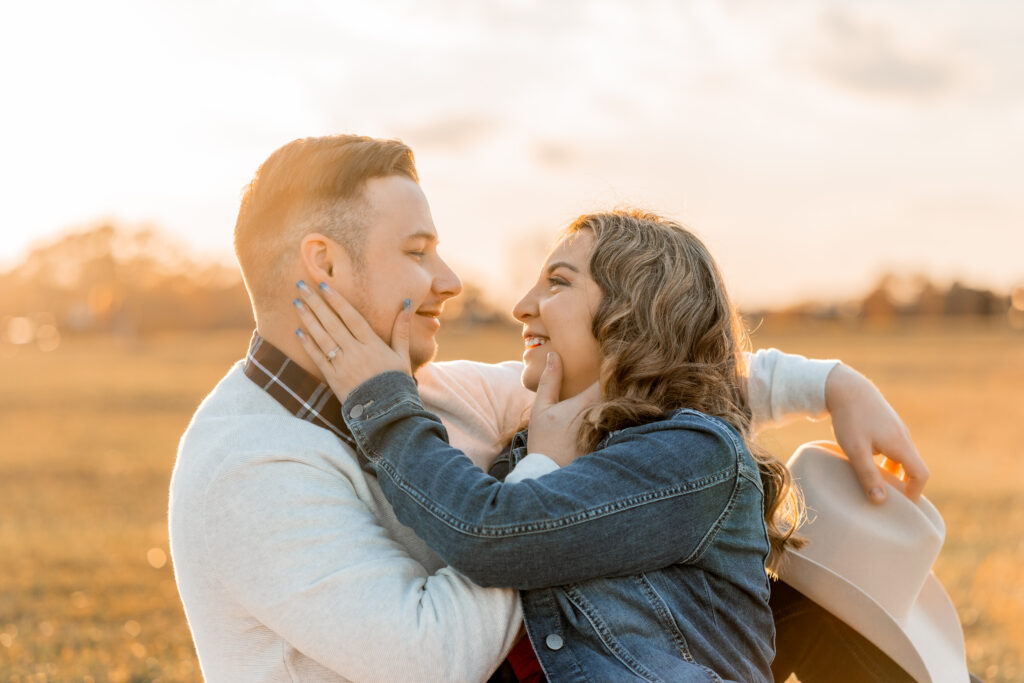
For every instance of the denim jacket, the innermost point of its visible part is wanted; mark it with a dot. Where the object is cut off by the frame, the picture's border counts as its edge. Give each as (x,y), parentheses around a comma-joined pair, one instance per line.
(644,560)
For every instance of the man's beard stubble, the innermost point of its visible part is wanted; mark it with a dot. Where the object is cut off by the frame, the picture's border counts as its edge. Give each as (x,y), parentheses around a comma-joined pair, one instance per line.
(417,357)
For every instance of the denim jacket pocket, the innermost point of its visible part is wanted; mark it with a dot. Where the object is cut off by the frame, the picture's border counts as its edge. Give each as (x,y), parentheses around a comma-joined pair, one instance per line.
(607,638)
(661,608)
(595,615)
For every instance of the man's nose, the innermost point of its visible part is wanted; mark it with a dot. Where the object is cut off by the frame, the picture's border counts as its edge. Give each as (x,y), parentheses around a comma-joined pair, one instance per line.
(446,283)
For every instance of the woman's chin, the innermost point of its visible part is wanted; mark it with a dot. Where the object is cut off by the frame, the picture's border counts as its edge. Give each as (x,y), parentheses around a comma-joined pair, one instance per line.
(530,378)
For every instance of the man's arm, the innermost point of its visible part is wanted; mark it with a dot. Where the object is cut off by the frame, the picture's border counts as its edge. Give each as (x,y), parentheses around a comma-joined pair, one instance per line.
(299,549)
(783,387)
(864,424)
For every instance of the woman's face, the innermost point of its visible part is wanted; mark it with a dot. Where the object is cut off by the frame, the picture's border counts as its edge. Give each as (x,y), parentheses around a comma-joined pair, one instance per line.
(557,314)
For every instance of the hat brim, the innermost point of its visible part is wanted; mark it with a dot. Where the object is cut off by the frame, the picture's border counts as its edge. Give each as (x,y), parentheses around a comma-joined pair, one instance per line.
(927,643)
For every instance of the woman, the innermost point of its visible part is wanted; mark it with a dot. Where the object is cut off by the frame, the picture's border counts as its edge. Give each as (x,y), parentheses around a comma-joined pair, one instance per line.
(646,558)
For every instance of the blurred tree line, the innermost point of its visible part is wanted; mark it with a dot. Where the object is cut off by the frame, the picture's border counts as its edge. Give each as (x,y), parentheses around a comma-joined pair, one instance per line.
(128,282)
(910,297)
(107,279)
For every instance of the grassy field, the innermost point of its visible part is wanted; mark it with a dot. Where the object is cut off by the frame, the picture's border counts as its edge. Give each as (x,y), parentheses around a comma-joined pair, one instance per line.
(89,434)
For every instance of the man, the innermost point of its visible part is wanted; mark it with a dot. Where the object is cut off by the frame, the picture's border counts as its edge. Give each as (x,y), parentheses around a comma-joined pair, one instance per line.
(290,563)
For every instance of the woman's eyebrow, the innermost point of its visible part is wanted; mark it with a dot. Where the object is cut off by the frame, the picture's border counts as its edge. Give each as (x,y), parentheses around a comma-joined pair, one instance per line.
(562,264)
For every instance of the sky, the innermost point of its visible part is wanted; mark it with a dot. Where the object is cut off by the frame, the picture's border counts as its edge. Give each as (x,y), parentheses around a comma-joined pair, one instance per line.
(813,144)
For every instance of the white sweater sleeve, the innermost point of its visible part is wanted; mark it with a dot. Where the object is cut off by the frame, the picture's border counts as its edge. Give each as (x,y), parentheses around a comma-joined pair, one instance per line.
(304,554)
(534,465)
(784,387)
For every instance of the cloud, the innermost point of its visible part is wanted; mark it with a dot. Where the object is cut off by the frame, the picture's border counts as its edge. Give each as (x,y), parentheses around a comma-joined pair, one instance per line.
(451,133)
(555,154)
(873,59)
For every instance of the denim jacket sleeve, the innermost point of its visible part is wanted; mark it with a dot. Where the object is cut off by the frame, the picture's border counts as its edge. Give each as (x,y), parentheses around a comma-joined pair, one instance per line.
(653,496)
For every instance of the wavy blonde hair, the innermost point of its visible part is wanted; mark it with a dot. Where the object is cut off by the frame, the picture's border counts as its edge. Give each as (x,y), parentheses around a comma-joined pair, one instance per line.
(670,338)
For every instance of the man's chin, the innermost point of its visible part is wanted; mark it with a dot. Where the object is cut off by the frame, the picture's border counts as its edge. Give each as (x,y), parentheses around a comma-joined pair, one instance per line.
(422,353)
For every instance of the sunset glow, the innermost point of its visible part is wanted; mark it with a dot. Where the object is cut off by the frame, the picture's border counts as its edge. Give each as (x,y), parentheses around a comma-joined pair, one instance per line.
(813,144)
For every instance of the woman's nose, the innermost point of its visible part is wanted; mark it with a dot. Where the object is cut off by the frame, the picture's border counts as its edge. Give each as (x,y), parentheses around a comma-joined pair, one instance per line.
(526,307)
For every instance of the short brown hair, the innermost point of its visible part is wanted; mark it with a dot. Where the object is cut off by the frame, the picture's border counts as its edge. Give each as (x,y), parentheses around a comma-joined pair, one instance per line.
(309,185)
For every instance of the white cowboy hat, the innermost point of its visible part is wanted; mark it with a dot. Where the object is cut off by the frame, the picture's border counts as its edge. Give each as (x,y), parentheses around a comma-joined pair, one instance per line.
(870,565)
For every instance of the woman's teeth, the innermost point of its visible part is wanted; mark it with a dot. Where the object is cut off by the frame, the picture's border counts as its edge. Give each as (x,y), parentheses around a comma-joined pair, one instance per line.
(534,342)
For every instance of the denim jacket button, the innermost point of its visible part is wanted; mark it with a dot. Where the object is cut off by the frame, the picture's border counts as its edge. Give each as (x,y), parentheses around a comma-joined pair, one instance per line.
(356,412)
(554,641)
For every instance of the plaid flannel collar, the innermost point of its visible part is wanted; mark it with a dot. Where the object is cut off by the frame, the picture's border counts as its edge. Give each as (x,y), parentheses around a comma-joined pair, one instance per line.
(302,394)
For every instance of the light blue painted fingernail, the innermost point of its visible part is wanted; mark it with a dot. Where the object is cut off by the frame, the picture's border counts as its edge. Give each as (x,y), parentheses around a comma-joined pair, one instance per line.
(301,285)
(407,303)
(297,303)
(323,286)
(298,333)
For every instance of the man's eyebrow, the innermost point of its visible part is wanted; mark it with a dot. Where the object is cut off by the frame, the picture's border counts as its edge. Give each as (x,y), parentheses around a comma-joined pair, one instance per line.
(562,264)
(422,235)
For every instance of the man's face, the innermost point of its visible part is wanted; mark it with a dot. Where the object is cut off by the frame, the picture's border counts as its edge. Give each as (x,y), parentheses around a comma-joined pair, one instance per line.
(400,261)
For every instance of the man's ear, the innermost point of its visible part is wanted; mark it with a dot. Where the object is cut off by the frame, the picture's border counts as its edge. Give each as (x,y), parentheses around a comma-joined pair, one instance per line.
(322,258)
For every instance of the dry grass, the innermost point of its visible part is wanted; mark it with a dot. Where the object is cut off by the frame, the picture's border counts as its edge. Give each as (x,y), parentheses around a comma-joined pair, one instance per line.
(90,431)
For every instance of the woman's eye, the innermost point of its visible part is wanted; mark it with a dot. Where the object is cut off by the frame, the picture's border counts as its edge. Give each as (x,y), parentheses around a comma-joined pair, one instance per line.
(417,254)
(556,282)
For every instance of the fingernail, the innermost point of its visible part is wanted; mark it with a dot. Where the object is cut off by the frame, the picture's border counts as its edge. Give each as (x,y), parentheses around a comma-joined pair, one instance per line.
(877,494)
(323,286)
(298,333)
(297,303)
(301,285)
(550,359)
(406,304)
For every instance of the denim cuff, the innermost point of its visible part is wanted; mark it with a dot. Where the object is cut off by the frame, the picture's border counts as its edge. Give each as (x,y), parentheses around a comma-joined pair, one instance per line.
(376,396)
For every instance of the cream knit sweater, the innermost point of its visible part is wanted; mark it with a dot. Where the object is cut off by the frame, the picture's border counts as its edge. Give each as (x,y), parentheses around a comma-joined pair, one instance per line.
(292,566)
